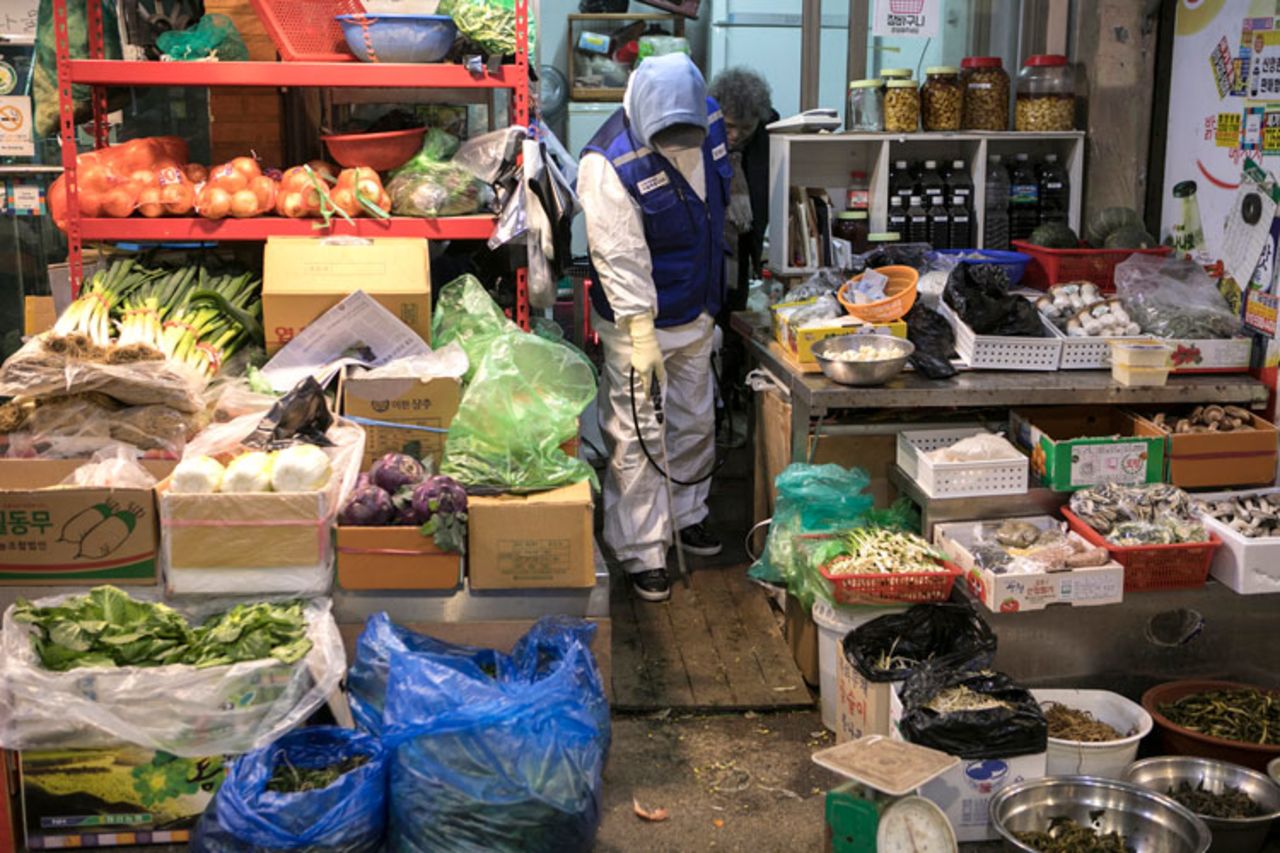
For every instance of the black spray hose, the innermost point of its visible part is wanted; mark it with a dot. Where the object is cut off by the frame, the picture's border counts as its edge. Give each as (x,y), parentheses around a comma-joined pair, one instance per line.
(656,395)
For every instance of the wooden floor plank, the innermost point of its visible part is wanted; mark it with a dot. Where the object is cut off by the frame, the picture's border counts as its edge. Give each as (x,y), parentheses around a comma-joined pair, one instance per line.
(730,637)
(777,666)
(632,686)
(689,620)
(663,663)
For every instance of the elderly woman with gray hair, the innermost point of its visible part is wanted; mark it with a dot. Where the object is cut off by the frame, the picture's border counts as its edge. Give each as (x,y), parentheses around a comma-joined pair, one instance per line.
(747,104)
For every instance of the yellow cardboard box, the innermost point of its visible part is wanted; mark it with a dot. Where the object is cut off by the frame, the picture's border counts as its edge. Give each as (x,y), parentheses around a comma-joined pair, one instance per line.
(799,341)
(303,277)
(531,541)
(402,401)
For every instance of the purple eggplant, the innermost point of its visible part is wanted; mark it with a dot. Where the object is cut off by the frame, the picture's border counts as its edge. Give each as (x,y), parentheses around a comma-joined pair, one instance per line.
(395,471)
(368,506)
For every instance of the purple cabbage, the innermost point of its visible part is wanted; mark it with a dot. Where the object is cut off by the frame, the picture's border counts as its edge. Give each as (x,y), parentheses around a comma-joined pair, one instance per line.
(439,494)
(368,506)
(395,471)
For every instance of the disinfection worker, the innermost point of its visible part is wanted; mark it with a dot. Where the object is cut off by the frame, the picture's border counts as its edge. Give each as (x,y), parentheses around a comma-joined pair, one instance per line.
(654,184)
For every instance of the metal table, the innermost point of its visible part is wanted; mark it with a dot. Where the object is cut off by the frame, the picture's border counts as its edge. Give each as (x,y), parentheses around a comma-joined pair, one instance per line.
(814,396)
(1035,501)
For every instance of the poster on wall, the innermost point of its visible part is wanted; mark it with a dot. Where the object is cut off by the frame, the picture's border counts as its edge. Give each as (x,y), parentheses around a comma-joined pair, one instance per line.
(898,18)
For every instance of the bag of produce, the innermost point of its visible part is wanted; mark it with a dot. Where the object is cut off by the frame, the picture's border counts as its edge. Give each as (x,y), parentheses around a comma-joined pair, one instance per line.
(1174,298)
(971,714)
(811,499)
(85,671)
(214,35)
(489,23)
(436,189)
(890,648)
(316,790)
(979,294)
(502,761)
(466,313)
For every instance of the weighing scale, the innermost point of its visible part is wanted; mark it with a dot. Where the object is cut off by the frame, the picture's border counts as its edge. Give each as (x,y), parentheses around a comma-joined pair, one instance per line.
(877,812)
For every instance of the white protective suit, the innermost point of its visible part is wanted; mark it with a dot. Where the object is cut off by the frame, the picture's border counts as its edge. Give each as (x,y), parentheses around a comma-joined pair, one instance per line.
(636,509)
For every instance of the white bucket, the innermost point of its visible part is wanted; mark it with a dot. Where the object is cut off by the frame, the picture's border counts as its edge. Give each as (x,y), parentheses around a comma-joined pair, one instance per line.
(833,623)
(1109,758)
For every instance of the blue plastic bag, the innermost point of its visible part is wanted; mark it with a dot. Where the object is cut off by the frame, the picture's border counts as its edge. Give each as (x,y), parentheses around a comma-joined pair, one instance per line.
(349,816)
(505,762)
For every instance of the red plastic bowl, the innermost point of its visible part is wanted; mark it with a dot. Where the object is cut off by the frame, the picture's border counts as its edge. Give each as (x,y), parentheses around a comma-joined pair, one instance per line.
(378,151)
(1176,740)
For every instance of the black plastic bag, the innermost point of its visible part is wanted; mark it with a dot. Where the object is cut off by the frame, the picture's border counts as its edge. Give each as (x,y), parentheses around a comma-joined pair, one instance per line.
(946,635)
(935,341)
(914,255)
(1017,728)
(302,415)
(979,294)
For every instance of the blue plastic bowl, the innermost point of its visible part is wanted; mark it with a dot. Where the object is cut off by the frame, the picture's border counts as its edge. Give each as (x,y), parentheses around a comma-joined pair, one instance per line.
(1014,263)
(399,38)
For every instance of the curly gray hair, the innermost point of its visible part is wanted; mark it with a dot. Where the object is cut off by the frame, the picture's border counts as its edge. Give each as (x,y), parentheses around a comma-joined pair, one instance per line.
(743,95)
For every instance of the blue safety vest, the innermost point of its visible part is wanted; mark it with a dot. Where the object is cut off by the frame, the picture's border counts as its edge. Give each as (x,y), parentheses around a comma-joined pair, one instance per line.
(684,233)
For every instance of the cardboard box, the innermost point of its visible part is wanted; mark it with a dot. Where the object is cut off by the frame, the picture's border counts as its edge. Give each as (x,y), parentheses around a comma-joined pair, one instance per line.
(1074,447)
(1227,355)
(74,536)
(303,277)
(117,796)
(799,341)
(1198,460)
(38,314)
(1014,593)
(964,792)
(402,401)
(863,705)
(531,541)
(801,634)
(394,558)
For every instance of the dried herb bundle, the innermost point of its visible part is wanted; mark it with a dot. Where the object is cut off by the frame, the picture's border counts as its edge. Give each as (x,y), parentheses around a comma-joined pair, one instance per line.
(962,698)
(1247,715)
(288,779)
(1073,724)
(1231,803)
(1064,835)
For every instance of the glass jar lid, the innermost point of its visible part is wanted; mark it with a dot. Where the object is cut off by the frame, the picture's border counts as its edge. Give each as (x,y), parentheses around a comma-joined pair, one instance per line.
(981,62)
(901,84)
(1046,60)
(896,73)
(883,237)
(941,69)
(851,214)
(865,84)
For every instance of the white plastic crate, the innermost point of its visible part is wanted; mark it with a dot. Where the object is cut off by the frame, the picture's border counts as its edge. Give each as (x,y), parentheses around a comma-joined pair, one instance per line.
(1088,353)
(958,479)
(998,352)
(1247,566)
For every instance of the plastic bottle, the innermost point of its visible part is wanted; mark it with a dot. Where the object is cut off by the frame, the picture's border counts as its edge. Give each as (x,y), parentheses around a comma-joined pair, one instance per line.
(960,231)
(898,216)
(939,223)
(917,221)
(958,182)
(858,197)
(901,184)
(1024,198)
(1055,191)
(930,182)
(995,230)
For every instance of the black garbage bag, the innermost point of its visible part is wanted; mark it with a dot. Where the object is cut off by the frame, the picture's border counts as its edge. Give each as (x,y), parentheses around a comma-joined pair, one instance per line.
(1014,727)
(979,294)
(947,635)
(935,341)
(915,255)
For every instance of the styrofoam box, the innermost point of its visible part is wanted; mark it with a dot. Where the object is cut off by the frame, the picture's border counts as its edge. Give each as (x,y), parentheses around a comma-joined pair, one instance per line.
(1247,566)
(958,479)
(997,352)
(842,712)
(964,792)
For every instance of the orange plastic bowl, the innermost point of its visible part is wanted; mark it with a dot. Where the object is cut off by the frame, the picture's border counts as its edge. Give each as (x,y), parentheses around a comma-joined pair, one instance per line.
(379,151)
(901,296)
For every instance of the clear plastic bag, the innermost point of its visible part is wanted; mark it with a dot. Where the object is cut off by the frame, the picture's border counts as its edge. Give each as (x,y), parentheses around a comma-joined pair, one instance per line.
(486,156)
(436,189)
(214,35)
(348,816)
(659,45)
(823,282)
(1174,298)
(184,710)
(112,467)
(56,426)
(509,760)
(465,313)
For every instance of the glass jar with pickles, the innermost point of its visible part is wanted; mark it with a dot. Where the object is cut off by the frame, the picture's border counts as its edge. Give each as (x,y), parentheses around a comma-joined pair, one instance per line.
(986,93)
(941,98)
(1046,99)
(901,106)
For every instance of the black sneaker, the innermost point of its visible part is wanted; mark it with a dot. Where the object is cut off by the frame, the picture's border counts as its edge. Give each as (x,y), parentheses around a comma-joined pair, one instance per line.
(652,585)
(698,539)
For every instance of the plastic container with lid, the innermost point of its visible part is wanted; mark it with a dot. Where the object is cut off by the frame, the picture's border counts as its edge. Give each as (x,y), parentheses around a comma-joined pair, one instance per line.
(854,226)
(858,196)
(876,239)
(1046,98)
(901,107)
(866,106)
(986,93)
(942,98)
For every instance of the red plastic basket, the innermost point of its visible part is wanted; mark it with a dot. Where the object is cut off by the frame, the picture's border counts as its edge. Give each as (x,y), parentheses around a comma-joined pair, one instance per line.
(1146,567)
(1054,266)
(306,30)
(897,588)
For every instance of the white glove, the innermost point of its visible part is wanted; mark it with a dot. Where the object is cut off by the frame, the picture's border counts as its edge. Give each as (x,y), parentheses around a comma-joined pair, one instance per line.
(646,355)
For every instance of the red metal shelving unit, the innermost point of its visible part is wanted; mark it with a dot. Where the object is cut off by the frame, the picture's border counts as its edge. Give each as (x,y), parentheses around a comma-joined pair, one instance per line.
(100,73)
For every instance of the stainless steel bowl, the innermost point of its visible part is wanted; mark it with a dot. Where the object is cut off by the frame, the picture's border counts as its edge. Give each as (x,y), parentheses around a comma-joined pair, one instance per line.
(1273,770)
(862,372)
(1230,835)
(1150,821)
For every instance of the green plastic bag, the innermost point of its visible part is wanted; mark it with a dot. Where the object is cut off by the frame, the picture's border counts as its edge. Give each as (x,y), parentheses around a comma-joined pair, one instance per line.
(489,23)
(214,35)
(812,499)
(523,398)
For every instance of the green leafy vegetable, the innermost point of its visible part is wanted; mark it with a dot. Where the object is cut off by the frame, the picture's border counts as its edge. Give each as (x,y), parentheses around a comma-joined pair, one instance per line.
(107,628)
(289,779)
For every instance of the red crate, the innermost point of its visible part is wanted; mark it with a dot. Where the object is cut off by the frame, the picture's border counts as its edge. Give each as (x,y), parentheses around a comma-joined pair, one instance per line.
(307,30)
(897,588)
(1146,567)
(1055,266)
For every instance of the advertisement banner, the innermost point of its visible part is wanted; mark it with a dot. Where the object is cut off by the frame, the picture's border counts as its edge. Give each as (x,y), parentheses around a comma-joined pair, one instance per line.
(898,18)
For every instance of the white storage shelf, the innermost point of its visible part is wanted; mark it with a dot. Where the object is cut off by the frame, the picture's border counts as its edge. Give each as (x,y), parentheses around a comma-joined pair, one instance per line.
(824,160)
(958,479)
